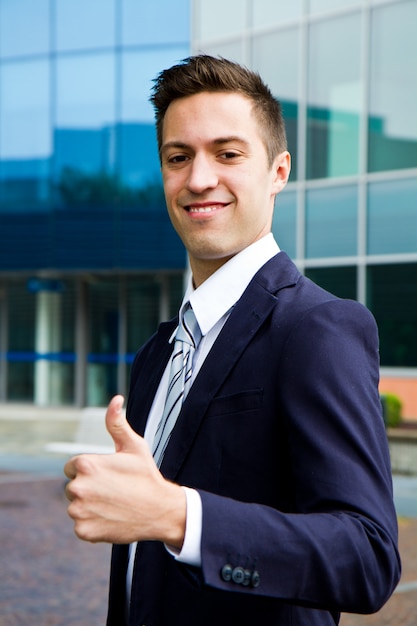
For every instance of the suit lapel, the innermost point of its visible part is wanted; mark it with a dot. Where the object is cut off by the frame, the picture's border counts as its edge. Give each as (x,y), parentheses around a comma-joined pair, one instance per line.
(149,377)
(249,314)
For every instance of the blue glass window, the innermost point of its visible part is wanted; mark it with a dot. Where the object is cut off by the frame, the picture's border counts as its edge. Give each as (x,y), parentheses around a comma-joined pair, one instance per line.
(85,114)
(104,330)
(393,88)
(341,281)
(21,342)
(334,97)
(284,225)
(137,157)
(82,24)
(392,217)
(24,27)
(25,135)
(84,155)
(163,22)
(331,222)
(217,18)
(232,50)
(284,84)
(318,6)
(392,298)
(268,12)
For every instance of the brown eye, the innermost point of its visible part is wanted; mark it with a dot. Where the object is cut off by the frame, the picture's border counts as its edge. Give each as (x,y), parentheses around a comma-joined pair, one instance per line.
(228,155)
(177,159)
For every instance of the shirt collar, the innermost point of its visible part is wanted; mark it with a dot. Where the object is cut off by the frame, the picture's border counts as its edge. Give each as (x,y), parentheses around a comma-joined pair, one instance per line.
(215,297)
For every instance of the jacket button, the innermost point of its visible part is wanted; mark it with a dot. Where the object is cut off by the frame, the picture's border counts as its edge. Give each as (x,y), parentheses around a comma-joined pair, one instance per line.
(238,575)
(226,573)
(247,578)
(255,579)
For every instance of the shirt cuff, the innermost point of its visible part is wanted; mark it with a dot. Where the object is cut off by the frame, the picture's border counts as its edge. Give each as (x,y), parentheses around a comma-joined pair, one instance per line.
(190,552)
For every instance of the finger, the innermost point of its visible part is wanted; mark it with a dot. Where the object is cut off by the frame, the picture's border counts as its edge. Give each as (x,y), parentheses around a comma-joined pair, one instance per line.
(124,437)
(69,469)
(68,493)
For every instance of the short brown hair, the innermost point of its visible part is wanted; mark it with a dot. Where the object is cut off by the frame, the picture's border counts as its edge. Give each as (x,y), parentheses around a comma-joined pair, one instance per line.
(202,72)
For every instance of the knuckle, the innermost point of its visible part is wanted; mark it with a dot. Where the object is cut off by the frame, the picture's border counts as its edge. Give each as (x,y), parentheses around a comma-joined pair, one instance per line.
(81,530)
(86,531)
(69,491)
(75,511)
(84,463)
(78,495)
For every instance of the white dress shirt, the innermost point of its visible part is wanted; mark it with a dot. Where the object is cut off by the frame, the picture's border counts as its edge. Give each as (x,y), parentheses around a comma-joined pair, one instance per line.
(212,303)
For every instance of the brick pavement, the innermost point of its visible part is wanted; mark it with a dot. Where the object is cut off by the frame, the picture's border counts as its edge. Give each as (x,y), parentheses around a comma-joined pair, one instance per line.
(50,578)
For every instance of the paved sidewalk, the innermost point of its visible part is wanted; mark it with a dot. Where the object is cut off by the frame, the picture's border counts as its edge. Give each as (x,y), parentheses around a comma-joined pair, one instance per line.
(50,578)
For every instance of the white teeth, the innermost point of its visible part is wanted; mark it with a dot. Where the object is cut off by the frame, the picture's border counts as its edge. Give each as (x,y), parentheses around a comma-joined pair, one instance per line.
(205,209)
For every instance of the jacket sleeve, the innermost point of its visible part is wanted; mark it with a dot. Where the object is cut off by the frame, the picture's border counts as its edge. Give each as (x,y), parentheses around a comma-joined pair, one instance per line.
(338,549)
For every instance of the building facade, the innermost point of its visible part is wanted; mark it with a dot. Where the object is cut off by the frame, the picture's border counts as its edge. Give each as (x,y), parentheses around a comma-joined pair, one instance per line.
(89,263)
(345,72)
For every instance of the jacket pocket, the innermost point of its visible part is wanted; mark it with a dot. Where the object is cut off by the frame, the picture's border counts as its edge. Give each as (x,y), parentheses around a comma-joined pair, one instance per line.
(248,400)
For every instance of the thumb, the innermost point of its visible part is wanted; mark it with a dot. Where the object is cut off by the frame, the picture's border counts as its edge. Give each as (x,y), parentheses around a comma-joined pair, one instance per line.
(124,437)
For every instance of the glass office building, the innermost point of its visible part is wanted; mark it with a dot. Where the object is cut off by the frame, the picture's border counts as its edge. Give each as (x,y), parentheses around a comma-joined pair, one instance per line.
(346,74)
(89,263)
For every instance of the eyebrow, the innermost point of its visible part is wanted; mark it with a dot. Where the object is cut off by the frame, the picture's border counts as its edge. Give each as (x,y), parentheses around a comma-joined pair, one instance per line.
(173,144)
(231,139)
(217,142)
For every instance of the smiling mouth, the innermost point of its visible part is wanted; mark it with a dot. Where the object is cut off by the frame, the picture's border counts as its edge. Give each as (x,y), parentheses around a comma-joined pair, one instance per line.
(206,208)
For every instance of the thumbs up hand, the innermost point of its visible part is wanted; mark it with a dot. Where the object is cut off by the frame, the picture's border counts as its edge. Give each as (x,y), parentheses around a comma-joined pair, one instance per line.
(124,437)
(123,497)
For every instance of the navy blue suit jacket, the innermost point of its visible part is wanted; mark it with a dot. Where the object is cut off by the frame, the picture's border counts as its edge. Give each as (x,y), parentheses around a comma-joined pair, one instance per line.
(283,437)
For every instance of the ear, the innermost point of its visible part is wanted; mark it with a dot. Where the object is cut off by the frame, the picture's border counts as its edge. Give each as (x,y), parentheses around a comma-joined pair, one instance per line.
(281,169)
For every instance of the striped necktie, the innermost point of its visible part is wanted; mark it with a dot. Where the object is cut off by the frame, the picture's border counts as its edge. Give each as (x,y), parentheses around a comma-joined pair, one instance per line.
(187,338)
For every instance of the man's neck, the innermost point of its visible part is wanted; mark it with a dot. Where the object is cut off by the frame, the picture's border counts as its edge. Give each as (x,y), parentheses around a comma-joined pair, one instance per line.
(202,269)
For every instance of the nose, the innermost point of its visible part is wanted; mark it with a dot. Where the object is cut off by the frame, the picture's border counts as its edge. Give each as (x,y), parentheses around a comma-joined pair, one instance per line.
(202,174)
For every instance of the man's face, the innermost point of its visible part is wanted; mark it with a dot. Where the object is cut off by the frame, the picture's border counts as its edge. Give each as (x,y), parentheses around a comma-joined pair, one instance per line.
(218,185)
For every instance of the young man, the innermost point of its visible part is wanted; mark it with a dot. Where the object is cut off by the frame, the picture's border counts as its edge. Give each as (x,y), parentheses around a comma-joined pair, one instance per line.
(268,499)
